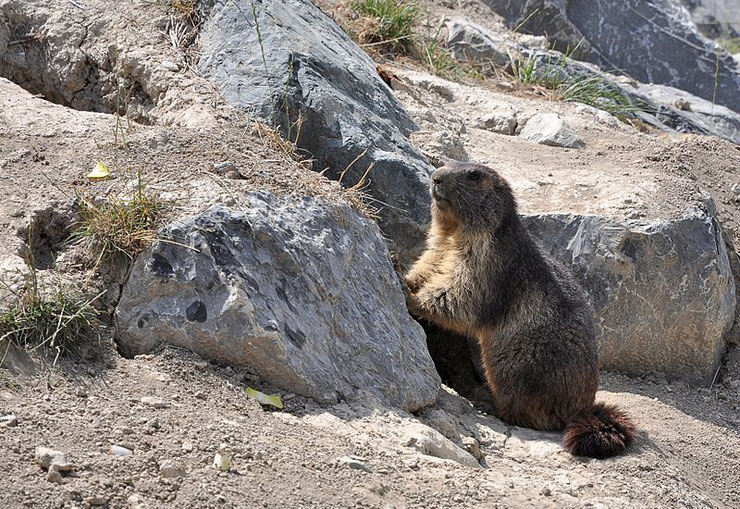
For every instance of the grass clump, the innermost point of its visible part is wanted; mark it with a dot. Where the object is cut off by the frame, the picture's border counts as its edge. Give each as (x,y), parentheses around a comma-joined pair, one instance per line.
(550,74)
(441,62)
(731,44)
(596,92)
(394,21)
(56,323)
(120,226)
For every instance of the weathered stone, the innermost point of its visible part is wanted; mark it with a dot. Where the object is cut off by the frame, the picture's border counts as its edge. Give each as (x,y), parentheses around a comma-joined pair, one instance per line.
(473,447)
(8,421)
(299,290)
(440,146)
(353,463)
(662,291)
(471,42)
(432,443)
(686,112)
(654,42)
(501,122)
(154,402)
(550,129)
(54,476)
(169,469)
(46,458)
(715,18)
(97,500)
(306,75)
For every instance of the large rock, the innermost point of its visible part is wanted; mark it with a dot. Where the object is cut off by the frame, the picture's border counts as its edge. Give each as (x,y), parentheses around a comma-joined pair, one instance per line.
(662,292)
(295,67)
(654,41)
(300,290)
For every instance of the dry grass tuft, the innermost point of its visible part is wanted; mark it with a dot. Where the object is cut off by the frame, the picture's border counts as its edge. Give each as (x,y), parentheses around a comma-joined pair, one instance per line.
(389,23)
(271,138)
(55,324)
(124,226)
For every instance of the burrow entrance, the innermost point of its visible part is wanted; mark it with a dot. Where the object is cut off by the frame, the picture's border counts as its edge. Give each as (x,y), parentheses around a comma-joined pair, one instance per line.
(457,360)
(45,237)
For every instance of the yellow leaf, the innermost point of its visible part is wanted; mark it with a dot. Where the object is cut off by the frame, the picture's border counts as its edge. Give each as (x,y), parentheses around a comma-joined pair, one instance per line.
(264,399)
(100,172)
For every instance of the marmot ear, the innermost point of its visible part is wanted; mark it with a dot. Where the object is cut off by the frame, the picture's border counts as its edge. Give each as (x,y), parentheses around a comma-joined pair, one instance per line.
(473,174)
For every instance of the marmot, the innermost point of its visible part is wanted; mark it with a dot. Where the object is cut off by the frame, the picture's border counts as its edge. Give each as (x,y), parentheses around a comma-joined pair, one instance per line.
(483,275)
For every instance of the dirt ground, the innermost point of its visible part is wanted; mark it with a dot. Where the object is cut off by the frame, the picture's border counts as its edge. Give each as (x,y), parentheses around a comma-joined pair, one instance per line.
(688,453)
(176,408)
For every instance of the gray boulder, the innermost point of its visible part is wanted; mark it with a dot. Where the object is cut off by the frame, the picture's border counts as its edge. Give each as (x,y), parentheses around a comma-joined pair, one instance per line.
(299,290)
(686,112)
(662,292)
(653,41)
(303,73)
(471,42)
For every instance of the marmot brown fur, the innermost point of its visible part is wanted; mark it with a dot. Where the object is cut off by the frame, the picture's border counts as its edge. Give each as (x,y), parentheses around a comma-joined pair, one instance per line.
(483,275)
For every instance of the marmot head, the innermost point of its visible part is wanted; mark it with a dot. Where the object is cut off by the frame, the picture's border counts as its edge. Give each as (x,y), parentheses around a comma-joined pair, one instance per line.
(470,196)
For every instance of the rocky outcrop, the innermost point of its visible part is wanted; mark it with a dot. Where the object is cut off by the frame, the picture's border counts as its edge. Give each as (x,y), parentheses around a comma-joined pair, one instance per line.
(651,41)
(662,292)
(300,290)
(471,42)
(293,66)
(70,55)
(666,108)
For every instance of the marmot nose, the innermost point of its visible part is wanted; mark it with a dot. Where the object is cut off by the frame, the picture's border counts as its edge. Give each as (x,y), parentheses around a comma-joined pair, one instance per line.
(437,177)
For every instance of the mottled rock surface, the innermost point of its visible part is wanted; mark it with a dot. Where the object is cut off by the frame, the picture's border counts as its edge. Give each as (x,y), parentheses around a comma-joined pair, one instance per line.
(299,290)
(653,41)
(662,291)
(308,76)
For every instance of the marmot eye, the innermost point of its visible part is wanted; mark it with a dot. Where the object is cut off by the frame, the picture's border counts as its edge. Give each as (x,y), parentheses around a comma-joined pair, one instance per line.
(473,175)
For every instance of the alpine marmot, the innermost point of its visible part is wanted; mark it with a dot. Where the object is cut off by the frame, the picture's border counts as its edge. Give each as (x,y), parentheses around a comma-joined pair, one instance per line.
(483,275)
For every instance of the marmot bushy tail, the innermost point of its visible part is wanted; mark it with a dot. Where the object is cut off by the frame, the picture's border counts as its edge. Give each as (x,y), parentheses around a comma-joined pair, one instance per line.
(483,275)
(599,432)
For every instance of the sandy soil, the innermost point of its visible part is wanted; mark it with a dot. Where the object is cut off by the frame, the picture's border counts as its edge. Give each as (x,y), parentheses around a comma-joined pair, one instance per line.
(688,453)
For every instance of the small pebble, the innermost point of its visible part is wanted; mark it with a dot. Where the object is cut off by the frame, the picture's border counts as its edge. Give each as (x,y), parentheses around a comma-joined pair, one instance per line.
(170,470)
(222,462)
(473,447)
(8,421)
(169,65)
(353,463)
(154,402)
(96,501)
(54,476)
(46,457)
(117,450)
